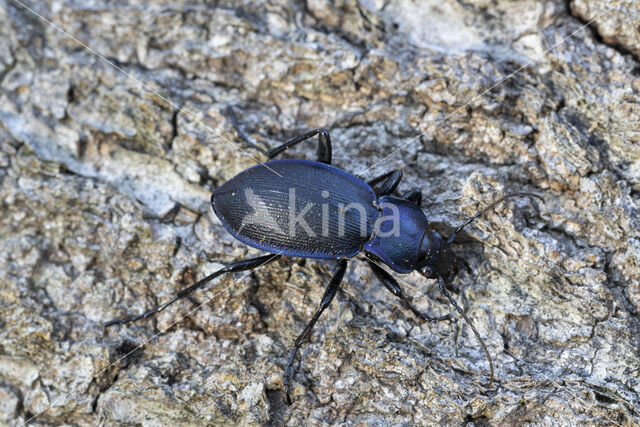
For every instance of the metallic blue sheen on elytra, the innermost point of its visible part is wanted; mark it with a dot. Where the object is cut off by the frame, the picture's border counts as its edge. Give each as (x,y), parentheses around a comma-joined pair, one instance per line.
(399,248)
(257,205)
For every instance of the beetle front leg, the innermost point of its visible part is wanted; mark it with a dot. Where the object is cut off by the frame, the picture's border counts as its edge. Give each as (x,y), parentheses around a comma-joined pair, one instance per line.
(392,285)
(331,291)
(246,264)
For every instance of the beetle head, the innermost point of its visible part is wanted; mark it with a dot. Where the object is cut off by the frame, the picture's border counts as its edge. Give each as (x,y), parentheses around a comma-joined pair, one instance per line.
(436,258)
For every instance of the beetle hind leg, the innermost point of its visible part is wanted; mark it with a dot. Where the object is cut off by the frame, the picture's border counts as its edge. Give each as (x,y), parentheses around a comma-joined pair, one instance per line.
(328,296)
(246,264)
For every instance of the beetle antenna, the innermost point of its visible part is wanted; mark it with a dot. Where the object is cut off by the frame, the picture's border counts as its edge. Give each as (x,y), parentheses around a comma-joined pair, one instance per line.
(446,293)
(491,205)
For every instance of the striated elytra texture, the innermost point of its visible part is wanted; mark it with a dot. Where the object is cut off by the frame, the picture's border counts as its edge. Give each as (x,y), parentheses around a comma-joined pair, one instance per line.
(105,189)
(299,208)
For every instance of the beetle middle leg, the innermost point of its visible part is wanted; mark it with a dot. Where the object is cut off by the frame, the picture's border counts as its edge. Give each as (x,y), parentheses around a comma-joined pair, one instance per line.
(246,264)
(331,291)
(392,285)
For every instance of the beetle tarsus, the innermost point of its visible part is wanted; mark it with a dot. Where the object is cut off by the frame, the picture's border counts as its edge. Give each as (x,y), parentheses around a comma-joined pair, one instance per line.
(287,375)
(324,145)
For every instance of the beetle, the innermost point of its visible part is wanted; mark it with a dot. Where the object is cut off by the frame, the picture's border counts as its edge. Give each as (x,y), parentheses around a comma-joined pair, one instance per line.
(267,207)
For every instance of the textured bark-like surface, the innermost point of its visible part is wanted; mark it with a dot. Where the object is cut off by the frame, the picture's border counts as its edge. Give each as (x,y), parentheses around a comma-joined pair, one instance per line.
(105,210)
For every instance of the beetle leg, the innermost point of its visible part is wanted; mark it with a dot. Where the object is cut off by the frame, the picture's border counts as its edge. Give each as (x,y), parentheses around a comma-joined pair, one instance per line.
(392,285)
(246,264)
(331,291)
(324,145)
(243,136)
(390,181)
(414,196)
(463,262)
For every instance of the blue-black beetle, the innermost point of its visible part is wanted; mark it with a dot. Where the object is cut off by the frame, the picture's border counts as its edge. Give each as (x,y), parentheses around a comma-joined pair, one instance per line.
(311,209)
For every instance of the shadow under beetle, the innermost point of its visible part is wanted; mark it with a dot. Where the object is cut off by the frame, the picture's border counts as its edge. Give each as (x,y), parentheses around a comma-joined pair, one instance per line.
(343,214)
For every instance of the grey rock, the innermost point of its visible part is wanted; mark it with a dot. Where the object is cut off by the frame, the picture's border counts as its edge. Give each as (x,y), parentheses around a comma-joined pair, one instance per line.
(616,21)
(105,179)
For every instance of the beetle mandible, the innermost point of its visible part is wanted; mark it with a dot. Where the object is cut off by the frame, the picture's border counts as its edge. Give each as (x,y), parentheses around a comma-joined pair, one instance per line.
(267,207)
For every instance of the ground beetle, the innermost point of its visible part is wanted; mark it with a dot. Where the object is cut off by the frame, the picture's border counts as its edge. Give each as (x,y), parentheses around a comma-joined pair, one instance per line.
(311,209)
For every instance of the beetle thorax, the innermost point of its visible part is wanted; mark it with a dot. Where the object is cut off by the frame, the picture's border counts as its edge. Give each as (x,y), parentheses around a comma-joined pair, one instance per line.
(397,234)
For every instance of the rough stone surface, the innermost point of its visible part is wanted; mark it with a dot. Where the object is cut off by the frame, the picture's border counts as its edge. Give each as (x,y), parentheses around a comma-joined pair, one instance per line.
(105,210)
(616,21)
